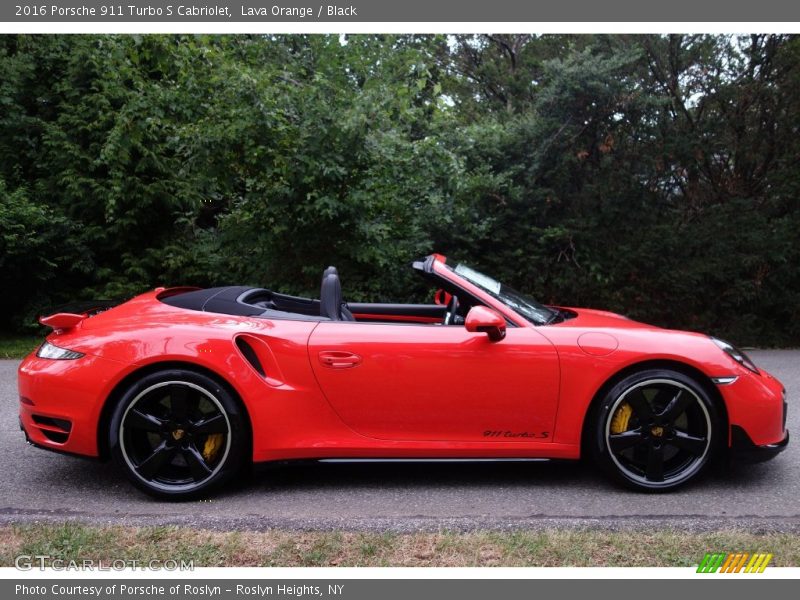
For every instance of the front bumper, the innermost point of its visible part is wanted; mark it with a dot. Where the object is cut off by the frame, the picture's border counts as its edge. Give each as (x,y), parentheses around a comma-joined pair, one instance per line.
(756,404)
(743,449)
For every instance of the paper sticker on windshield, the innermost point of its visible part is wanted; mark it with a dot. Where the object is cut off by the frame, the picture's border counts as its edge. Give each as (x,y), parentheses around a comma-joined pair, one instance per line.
(478,279)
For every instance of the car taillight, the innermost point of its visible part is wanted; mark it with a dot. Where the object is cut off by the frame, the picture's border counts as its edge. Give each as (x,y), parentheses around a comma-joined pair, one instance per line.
(49,351)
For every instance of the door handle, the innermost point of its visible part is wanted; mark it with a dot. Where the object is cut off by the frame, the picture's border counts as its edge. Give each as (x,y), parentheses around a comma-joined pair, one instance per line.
(337,359)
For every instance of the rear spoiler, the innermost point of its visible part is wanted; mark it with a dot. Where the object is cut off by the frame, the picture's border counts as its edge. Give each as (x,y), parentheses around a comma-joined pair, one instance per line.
(62,321)
(68,316)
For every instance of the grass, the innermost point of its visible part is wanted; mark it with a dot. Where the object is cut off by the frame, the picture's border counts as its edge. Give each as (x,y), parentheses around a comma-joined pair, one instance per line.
(545,548)
(17,346)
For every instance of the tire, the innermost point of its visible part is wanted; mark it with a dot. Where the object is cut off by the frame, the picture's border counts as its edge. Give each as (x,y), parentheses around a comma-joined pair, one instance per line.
(655,430)
(178,434)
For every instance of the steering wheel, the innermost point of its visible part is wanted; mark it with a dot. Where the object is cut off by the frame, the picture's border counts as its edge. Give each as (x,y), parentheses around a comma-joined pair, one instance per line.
(451,314)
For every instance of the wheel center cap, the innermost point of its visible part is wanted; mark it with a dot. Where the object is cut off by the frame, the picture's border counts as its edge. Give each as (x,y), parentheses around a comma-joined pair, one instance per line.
(177,434)
(654,431)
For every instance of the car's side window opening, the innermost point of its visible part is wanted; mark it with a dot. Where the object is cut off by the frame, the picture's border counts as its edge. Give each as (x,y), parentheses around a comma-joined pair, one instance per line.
(448,305)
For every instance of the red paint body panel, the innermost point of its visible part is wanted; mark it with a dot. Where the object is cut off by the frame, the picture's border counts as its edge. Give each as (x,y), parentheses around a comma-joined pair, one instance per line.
(425,382)
(381,389)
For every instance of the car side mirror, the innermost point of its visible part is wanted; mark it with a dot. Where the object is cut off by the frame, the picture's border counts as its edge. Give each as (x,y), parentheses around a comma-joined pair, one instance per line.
(485,320)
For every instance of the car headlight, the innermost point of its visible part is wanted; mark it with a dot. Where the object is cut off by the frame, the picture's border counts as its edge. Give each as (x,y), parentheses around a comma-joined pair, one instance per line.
(50,351)
(736,354)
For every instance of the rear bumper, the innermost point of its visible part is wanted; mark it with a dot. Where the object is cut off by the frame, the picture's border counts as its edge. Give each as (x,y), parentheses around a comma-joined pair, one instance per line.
(744,450)
(52,447)
(60,401)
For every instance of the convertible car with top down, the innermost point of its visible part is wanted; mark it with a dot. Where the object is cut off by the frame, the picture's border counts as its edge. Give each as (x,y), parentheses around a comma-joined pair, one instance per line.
(183,387)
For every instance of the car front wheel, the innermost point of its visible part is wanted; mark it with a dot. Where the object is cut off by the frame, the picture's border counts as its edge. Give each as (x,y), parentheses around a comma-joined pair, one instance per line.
(655,430)
(177,434)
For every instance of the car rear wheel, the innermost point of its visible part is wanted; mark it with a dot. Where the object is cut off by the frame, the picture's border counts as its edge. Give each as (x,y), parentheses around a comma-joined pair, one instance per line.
(177,434)
(655,430)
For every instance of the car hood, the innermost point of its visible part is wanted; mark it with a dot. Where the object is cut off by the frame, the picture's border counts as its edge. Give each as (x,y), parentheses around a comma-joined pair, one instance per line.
(589,317)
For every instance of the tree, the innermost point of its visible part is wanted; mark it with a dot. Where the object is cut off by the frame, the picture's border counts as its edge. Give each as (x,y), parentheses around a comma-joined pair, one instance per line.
(652,175)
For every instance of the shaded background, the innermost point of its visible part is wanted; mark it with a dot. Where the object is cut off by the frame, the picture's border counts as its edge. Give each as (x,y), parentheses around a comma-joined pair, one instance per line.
(655,176)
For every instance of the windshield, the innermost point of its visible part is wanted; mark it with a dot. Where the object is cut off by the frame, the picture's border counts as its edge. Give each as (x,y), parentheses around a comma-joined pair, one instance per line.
(520,303)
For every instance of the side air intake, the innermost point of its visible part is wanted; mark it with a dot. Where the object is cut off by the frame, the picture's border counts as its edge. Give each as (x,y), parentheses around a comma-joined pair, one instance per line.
(257,352)
(250,355)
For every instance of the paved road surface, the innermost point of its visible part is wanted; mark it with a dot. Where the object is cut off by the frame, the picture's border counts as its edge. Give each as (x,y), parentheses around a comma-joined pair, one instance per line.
(40,485)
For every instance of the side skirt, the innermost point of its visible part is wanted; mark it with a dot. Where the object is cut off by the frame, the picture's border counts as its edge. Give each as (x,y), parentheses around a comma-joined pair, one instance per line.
(431,460)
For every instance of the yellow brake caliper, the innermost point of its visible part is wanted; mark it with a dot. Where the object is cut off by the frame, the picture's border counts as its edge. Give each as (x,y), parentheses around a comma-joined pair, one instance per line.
(622,415)
(212,446)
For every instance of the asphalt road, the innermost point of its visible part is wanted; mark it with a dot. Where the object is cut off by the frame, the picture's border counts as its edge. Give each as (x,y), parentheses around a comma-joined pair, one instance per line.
(40,485)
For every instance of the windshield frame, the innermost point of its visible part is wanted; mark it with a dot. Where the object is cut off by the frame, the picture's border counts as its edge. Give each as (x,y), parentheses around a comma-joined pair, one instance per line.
(521,304)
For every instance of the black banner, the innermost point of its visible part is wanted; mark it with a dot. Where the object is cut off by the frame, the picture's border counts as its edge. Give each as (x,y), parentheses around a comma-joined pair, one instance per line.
(261,11)
(392,589)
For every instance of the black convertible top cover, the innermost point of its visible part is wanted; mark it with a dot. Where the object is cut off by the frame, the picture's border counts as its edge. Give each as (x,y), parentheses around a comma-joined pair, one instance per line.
(218,300)
(247,301)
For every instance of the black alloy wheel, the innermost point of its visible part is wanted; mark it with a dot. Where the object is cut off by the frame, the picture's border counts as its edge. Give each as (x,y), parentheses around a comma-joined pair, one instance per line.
(177,434)
(656,430)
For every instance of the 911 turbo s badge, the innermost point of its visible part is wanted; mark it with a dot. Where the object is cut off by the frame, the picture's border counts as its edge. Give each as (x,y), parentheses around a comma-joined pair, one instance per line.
(499,433)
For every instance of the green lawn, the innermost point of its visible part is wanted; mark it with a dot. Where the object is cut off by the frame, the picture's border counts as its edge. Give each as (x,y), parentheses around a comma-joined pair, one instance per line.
(549,548)
(17,346)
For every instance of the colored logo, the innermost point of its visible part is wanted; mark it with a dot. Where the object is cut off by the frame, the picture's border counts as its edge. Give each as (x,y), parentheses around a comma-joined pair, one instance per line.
(741,562)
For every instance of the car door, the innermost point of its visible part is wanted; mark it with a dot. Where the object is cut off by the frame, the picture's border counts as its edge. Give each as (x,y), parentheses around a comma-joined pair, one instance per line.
(432,382)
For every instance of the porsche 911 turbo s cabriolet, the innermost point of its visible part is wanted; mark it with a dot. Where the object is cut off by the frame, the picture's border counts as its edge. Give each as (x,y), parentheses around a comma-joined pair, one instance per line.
(182,387)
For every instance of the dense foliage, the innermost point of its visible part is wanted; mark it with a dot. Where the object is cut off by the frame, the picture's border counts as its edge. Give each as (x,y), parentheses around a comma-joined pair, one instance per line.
(656,176)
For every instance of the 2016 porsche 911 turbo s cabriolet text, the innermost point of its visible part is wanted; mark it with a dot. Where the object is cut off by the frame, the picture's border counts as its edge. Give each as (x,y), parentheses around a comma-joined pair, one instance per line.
(184,386)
